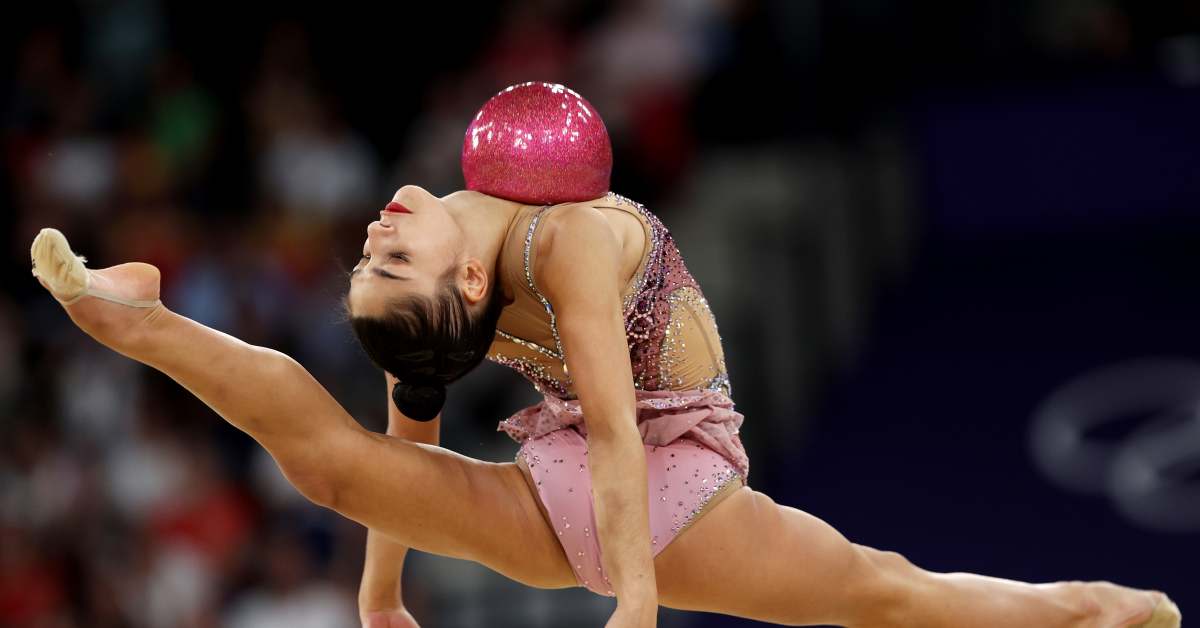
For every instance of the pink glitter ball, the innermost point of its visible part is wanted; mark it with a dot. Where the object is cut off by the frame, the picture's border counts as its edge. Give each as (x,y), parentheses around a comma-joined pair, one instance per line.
(537,143)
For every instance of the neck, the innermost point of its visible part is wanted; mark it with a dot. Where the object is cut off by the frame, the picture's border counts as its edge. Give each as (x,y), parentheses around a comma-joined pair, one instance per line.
(486,222)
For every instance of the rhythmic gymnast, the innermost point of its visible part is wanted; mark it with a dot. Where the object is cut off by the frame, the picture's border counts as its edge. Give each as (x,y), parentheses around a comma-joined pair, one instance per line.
(630,479)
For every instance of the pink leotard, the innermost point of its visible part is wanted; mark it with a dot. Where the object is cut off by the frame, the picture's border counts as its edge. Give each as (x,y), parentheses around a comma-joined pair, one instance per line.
(685,415)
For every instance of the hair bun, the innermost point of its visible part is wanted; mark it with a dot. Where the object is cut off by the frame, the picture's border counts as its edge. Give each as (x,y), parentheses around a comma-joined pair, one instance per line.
(419,401)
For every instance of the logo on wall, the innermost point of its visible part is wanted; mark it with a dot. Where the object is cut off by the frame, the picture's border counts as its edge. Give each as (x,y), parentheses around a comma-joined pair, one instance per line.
(1131,432)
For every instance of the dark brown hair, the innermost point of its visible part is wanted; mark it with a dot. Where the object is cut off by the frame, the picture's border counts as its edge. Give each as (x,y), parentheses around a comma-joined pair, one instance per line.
(427,343)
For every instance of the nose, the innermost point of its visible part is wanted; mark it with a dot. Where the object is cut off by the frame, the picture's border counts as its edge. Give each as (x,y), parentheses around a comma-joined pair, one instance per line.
(378,231)
(379,227)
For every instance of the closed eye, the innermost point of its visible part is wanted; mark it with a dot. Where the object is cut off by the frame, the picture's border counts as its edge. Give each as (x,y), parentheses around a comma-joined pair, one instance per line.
(379,271)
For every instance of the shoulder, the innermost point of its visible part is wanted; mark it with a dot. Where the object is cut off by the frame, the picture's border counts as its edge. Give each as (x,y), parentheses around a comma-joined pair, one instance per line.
(576,246)
(569,231)
(576,223)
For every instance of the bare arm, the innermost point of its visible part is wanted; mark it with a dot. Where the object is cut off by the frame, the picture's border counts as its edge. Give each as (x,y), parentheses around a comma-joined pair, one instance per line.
(579,268)
(384,562)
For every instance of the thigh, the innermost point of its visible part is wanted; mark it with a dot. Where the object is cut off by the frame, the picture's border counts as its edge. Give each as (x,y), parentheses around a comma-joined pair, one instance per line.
(751,557)
(438,501)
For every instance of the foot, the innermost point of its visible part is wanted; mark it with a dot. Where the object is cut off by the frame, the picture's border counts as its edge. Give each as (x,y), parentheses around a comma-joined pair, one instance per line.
(110,304)
(1166,614)
(1116,606)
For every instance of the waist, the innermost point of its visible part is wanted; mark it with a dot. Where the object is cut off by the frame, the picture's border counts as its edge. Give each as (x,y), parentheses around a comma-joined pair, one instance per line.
(664,416)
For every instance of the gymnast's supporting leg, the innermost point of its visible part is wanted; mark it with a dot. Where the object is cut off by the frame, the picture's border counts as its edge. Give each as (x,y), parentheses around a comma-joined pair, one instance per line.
(754,558)
(425,497)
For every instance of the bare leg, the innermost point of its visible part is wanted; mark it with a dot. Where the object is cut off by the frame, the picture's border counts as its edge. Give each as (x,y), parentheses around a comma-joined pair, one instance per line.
(423,496)
(753,558)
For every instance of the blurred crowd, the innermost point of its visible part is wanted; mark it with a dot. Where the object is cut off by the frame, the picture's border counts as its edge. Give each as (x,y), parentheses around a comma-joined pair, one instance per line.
(125,502)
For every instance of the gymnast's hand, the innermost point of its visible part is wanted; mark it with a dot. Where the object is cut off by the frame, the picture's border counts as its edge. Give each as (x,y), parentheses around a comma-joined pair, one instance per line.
(396,618)
(642,615)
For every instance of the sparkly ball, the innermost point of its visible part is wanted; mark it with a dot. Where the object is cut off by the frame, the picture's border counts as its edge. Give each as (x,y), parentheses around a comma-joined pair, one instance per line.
(537,143)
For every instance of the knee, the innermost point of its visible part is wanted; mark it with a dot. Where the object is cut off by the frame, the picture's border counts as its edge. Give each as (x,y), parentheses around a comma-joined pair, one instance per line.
(1079,602)
(313,460)
(887,563)
(887,585)
(320,472)
(311,477)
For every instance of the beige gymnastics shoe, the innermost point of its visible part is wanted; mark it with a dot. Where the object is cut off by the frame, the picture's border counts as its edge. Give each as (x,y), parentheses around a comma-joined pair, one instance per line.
(1166,615)
(63,272)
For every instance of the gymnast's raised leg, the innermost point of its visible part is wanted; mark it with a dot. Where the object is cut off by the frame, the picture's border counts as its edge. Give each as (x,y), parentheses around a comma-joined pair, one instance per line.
(426,497)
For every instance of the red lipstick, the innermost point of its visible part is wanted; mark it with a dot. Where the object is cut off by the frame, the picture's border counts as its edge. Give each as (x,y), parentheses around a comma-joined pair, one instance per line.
(396,208)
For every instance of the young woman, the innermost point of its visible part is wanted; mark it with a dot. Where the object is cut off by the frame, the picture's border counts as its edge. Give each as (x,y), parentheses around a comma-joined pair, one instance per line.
(630,480)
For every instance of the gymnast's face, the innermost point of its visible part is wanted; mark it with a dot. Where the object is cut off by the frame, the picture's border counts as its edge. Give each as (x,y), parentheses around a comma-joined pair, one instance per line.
(407,251)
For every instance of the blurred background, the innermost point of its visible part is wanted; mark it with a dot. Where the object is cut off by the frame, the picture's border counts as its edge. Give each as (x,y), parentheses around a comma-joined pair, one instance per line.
(952,249)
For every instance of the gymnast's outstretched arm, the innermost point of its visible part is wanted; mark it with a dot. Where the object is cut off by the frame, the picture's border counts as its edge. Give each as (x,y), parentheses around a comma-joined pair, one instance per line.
(380,598)
(578,269)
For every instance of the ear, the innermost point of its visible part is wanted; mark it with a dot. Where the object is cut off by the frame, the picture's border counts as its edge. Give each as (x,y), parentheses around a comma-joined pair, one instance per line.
(473,281)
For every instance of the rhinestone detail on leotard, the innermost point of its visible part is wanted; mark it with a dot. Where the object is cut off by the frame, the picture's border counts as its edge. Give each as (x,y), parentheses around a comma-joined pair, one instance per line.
(664,299)
(532,346)
(562,355)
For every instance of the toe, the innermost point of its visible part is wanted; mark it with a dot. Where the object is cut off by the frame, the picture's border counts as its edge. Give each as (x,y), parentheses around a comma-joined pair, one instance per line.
(58,269)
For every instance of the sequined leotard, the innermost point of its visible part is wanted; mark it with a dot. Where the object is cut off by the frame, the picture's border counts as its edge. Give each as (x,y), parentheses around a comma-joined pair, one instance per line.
(684,412)
(673,342)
